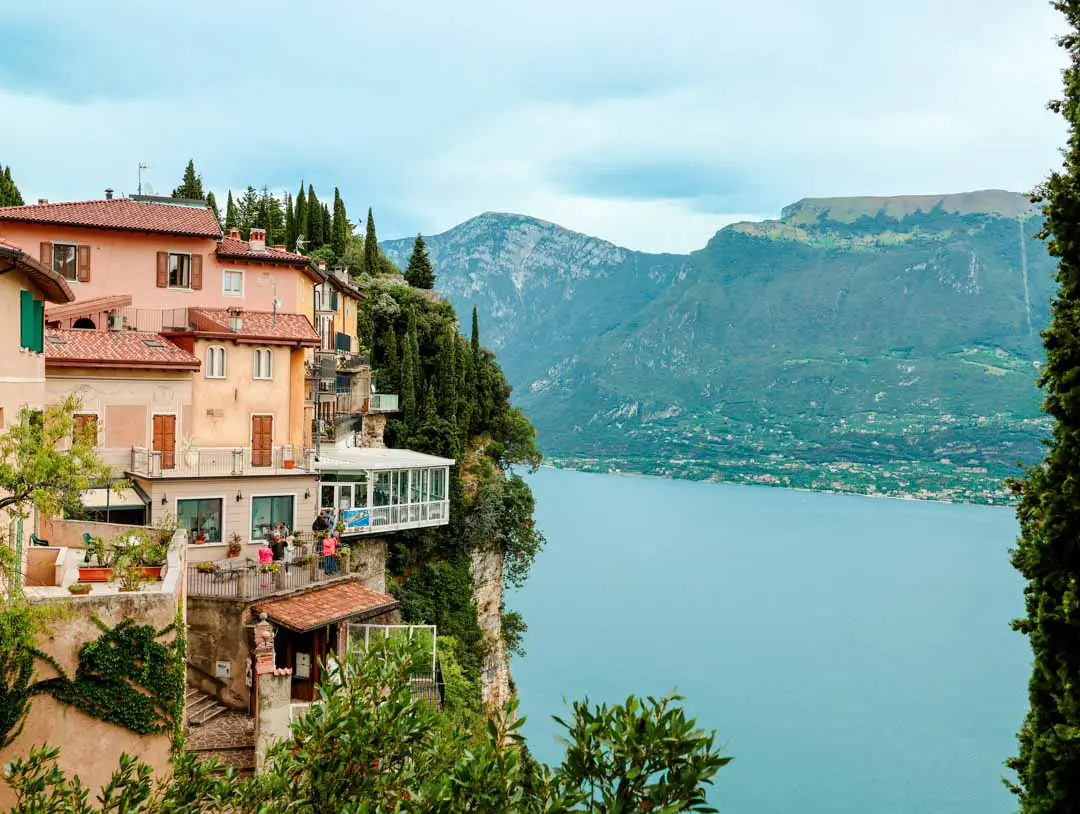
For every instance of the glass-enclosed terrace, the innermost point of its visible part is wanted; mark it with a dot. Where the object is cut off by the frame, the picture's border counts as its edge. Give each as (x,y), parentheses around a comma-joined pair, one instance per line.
(374,491)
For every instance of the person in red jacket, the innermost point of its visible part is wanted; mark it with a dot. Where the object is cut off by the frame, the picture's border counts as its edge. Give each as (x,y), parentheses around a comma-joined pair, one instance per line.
(329,550)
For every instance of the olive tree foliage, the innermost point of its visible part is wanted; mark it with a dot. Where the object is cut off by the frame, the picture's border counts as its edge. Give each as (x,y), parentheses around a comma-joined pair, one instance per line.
(369,745)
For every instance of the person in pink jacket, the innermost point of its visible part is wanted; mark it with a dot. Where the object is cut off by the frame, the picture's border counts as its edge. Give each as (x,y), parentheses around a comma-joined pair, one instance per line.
(329,550)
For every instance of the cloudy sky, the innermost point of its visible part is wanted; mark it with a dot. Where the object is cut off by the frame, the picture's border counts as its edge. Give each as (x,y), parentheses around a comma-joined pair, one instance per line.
(647,122)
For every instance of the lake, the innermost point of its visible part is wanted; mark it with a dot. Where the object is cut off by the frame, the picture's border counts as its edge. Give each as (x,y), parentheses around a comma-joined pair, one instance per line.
(853,654)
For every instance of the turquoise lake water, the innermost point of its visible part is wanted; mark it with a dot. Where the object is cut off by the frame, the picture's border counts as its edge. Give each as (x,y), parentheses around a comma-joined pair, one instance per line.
(853,654)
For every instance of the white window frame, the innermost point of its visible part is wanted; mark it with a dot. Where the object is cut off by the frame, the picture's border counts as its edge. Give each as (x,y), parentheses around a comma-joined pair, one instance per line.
(268,354)
(251,510)
(209,368)
(225,289)
(188,256)
(224,510)
(58,243)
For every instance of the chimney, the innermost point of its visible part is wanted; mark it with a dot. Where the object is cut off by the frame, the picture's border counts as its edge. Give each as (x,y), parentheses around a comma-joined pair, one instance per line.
(42,201)
(108,194)
(234,233)
(257,241)
(322,265)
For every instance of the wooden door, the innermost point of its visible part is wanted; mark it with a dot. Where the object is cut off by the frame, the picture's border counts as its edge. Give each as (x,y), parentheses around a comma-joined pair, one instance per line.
(262,440)
(165,439)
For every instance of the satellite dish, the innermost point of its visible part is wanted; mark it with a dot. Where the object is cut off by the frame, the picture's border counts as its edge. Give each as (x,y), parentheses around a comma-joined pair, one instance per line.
(278,303)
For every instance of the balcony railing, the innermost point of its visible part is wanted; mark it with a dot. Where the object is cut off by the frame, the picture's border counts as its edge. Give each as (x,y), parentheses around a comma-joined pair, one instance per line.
(220,462)
(351,362)
(244,578)
(382,403)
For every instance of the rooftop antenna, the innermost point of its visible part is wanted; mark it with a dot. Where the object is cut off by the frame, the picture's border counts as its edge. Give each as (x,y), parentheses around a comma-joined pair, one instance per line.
(267,277)
(300,243)
(141,168)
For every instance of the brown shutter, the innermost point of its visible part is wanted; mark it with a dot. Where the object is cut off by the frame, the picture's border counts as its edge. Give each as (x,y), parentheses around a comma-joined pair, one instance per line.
(84,263)
(196,271)
(46,254)
(162,269)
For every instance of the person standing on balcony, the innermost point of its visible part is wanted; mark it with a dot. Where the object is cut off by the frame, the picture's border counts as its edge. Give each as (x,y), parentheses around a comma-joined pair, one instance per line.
(329,550)
(287,551)
(266,556)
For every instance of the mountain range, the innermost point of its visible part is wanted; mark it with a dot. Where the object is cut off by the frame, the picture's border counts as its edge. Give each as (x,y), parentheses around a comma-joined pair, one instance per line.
(883,345)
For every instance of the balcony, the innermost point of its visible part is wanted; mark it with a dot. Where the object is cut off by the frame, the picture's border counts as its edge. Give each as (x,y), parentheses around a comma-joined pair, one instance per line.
(244,578)
(382,403)
(222,462)
(351,362)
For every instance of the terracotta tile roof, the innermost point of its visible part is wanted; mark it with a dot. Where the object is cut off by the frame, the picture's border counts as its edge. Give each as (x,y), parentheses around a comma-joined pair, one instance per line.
(231,248)
(254,325)
(121,213)
(53,286)
(135,349)
(345,600)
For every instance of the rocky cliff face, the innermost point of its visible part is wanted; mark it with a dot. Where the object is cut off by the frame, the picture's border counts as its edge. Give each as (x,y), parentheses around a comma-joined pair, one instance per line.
(486,568)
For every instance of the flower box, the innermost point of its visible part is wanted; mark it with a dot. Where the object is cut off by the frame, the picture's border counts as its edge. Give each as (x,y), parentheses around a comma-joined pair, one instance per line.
(94,573)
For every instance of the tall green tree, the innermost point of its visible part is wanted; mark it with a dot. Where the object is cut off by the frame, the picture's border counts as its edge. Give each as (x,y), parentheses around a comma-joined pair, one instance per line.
(301,217)
(191,186)
(410,373)
(211,201)
(327,225)
(420,273)
(247,211)
(232,218)
(1047,554)
(389,379)
(341,231)
(314,219)
(371,246)
(9,193)
(290,223)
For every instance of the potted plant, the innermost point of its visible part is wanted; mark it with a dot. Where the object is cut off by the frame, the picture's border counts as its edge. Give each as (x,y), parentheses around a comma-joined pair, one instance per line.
(200,537)
(128,571)
(206,567)
(288,463)
(236,545)
(97,564)
(79,588)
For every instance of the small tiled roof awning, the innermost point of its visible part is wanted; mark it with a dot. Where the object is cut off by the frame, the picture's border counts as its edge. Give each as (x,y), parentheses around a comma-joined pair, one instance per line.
(325,606)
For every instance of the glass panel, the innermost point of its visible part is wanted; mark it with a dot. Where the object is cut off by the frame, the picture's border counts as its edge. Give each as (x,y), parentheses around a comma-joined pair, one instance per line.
(201,515)
(179,271)
(382,489)
(64,260)
(415,495)
(345,496)
(360,493)
(269,513)
(326,496)
(438,484)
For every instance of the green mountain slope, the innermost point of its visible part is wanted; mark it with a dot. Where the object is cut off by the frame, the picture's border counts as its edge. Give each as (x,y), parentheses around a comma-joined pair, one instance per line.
(875,344)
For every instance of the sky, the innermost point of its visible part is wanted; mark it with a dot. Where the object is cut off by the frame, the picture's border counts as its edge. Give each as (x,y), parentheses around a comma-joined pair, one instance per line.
(651,123)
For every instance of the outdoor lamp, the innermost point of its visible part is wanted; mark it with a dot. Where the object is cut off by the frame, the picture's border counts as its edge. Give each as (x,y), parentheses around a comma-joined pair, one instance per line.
(239,497)
(163,499)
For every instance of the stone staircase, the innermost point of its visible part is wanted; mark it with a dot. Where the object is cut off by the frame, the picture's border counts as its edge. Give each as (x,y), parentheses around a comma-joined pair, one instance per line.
(201,708)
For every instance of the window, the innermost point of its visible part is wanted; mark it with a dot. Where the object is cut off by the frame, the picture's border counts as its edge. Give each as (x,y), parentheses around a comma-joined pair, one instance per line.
(269,512)
(179,270)
(438,484)
(263,360)
(86,427)
(203,514)
(31,322)
(232,283)
(65,259)
(215,362)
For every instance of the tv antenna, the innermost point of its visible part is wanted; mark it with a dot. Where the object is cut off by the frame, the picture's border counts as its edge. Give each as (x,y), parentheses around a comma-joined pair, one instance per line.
(141,168)
(300,243)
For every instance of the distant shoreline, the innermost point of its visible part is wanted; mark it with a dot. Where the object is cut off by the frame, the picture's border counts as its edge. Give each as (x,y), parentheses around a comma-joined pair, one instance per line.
(911,498)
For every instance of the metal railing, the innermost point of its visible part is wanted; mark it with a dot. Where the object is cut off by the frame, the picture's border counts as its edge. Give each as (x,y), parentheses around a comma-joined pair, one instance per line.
(351,361)
(219,461)
(382,403)
(395,518)
(245,578)
(154,320)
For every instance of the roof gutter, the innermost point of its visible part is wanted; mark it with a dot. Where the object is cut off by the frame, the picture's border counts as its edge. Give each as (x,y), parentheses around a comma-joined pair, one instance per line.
(117,363)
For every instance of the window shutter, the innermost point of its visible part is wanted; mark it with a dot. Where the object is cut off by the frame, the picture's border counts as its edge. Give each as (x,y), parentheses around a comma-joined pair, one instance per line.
(39,326)
(84,263)
(196,271)
(26,319)
(46,254)
(162,269)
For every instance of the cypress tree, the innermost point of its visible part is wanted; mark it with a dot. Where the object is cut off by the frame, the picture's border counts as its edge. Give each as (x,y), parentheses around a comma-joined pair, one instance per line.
(9,193)
(231,217)
(247,211)
(463,405)
(429,412)
(371,246)
(339,239)
(314,219)
(419,273)
(445,374)
(1047,554)
(290,223)
(327,225)
(410,373)
(211,201)
(191,186)
(475,342)
(390,370)
(365,327)
(300,216)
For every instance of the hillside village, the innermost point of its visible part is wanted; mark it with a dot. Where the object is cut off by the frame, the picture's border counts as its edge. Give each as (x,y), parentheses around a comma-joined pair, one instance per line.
(249,480)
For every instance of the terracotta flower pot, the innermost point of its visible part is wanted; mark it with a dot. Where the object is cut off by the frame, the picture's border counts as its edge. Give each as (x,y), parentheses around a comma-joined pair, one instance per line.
(94,573)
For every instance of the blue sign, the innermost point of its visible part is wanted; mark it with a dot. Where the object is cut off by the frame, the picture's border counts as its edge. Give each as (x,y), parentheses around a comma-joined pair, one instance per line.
(355,519)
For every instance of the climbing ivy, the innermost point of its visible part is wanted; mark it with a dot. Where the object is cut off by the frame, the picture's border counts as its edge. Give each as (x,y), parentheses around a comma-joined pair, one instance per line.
(127,677)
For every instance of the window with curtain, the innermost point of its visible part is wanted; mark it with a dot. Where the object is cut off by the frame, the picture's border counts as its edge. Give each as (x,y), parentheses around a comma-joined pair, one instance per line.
(215,362)
(268,512)
(263,362)
(201,514)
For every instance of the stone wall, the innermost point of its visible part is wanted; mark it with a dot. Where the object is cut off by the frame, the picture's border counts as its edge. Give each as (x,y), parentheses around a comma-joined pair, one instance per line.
(368,560)
(218,631)
(371,434)
(486,568)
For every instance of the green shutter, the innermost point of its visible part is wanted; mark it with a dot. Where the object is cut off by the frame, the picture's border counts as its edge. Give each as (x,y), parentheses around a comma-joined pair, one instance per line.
(26,319)
(39,326)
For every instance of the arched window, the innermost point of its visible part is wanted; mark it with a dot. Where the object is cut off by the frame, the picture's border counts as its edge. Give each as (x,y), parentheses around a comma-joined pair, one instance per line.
(263,364)
(84,323)
(215,362)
